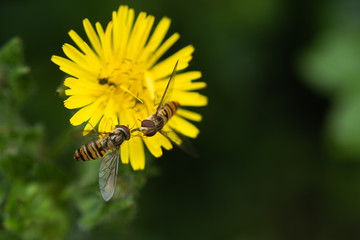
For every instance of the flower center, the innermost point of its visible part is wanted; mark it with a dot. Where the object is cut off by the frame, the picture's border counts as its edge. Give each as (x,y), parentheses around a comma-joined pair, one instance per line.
(126,82)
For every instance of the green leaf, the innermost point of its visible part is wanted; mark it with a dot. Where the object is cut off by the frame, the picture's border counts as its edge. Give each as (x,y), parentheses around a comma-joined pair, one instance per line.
(12,52)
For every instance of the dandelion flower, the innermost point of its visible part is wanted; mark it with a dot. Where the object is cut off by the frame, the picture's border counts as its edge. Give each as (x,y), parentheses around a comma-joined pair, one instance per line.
(119,78)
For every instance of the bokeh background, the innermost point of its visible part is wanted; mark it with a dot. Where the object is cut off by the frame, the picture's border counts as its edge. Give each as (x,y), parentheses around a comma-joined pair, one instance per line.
(279,141)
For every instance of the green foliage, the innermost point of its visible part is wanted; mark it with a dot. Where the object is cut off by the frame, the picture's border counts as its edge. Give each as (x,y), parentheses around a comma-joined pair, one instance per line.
(41,199)
(14,77)
(331,66)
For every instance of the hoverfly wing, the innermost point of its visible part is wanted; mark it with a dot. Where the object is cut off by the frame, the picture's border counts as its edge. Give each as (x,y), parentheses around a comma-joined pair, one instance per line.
(168,90)
(181,142)
(108,174)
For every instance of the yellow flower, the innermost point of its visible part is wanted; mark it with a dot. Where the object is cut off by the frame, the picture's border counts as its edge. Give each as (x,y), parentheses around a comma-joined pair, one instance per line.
(121,76)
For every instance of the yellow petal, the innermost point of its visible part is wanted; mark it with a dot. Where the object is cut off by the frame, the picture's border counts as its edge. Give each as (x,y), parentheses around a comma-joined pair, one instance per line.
(106,43)
(127,118)
(123,22)
(93,38)
(81,83)
(134,36)
(190,98)
(189,115)
(79,101)
(153,146)
(77,57)
(149,84)
(191,86)
(156,38)
(174,137)
(125,152)
(71,68)
(187,77)
(164,142)
(155,143)
(110,110)
(83,87)
(137,155)
(145,33)
(165,67)
(116,29)
(85,113)
(107,124)
(162,49)
(183,126)
(92,58)
(94,120)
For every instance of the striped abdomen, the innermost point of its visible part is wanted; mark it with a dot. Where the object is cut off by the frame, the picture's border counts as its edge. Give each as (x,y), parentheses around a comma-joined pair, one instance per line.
(93,150)
(166,113)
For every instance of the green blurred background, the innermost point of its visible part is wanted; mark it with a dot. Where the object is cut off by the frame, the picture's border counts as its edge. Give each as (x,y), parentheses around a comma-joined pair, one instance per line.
(279,141)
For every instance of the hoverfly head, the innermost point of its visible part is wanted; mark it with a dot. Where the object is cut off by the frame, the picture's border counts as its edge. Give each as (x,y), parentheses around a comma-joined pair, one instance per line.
(125,130)
(149,127)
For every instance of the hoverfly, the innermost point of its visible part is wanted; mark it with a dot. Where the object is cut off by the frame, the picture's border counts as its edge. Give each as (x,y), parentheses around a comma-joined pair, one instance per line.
(107,148)
(155,122)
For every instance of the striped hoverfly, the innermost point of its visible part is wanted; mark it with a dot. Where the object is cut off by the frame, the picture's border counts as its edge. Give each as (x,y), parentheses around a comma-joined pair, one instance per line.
(165,110)
(108,148)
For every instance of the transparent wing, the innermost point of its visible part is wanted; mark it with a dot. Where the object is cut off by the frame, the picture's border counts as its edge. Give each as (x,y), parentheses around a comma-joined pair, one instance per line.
(108,174)
(168,90)
(182,142)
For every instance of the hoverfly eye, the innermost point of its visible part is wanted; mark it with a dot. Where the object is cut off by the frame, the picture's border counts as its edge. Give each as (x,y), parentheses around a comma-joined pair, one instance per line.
(148,124)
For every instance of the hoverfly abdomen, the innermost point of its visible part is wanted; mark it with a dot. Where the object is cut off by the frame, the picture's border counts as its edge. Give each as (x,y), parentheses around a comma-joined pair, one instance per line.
(170,109)
(166,113)
(93,150)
